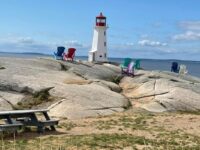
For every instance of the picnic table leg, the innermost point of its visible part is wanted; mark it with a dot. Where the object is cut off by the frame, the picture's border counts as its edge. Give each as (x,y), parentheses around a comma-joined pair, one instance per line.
(9,119)
(35,120)
(48,118)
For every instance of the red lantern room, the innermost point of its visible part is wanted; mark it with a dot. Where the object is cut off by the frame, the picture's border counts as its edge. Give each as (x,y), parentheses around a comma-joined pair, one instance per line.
(101,20)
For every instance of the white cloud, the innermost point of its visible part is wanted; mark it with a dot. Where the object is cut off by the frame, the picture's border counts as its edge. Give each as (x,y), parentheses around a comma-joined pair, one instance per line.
(188,36)
(24,44)
(25,40)
(28,44)
(119,36)
(74,43)
(190,25)
(122,46)
(151,43)
(129,44)
(17,40)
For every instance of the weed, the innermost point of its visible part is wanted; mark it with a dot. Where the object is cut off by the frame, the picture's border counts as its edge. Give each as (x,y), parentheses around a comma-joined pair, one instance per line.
(116,79)
(33,100)
(2,68)
(68,126)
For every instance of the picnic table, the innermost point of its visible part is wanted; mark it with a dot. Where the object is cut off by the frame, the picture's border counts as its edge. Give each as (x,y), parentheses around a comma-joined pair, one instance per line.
(15,119)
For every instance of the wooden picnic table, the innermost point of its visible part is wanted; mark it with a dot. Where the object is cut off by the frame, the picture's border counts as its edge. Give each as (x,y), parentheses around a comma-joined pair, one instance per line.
(17,118)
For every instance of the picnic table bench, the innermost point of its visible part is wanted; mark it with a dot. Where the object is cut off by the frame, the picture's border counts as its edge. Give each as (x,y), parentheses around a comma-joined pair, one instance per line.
(15,119)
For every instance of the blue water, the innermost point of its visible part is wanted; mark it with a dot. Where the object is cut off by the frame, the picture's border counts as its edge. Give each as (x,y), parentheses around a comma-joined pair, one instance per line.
(193,67)
(147,64)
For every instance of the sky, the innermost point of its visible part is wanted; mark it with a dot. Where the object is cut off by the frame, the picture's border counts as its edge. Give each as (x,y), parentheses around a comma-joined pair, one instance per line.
(154,29)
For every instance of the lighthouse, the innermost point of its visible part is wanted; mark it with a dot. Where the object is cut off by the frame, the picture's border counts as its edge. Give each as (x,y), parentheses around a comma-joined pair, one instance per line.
(98,52)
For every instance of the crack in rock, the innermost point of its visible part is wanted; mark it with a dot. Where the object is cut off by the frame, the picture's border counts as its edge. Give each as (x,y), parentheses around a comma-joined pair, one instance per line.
(80,75)
(103,108)
(7,101)
(55,104)
(64,67)
(15,88)
(150,95)
(136,87)
(154,77)
(163,105)
(155,85)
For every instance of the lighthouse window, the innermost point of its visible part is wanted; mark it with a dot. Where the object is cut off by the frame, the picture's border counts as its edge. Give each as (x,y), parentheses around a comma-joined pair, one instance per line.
(105,55)
(103,21)
(104,33)
(104,43)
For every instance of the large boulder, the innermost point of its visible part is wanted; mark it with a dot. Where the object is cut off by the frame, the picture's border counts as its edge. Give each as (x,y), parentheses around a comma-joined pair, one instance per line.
(76,89)
(86,100)
(162,91)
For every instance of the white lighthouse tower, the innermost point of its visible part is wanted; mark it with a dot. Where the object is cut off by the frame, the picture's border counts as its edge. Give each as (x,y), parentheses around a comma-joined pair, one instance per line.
(98,53)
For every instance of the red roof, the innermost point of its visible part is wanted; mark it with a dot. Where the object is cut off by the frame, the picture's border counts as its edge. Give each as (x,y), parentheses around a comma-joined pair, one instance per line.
(101,16)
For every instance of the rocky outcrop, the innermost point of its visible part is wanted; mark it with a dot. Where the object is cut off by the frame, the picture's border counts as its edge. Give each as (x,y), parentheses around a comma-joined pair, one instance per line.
(71,90)
(162,91)
(87,100)
(82,89)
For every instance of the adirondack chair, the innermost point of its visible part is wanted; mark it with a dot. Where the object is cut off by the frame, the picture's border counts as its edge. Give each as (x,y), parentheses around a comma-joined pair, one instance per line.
(125,64)
(59,53)
(183,70)
(70,54)
(174,67)
(130,70)
(137,64)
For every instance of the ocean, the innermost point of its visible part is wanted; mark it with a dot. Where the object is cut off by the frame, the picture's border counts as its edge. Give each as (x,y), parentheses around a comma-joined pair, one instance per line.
(193,67)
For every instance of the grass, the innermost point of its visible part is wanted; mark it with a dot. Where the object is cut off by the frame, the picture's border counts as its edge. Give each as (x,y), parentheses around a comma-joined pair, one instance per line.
(116,79)
(189,112)
(2,67)
(101,141)
(119,131)
(35,99)
(105,125)
(68,126)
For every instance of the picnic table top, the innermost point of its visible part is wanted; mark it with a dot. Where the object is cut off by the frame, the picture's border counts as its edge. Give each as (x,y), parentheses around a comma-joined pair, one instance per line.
(12,112)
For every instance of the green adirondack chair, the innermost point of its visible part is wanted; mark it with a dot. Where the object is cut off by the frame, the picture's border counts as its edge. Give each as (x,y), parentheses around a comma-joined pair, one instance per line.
(137,64)
(124,65)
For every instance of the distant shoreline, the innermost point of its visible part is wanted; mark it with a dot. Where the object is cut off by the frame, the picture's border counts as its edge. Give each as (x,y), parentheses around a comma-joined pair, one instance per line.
(51,55)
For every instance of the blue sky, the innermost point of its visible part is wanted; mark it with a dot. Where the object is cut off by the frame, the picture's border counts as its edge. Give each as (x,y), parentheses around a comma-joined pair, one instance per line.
(137,28)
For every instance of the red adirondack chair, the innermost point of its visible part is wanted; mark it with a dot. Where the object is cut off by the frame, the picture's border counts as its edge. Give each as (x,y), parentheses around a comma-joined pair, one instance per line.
(70,54)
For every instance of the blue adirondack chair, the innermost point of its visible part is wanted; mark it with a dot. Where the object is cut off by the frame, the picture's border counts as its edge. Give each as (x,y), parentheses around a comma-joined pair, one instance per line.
(174,67)
(59,53)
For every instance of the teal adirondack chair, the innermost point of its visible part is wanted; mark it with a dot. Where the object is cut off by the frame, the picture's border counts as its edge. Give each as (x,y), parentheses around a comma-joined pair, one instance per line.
(125,64)
(137,64)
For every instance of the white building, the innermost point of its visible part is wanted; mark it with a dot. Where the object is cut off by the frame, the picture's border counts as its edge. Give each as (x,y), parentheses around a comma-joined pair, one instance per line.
(98,53)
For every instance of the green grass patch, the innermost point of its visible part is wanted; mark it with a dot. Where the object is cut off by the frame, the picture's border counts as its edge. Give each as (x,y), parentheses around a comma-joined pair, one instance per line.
(138,123)
(68,126)
(105,124)
(2,67)
(35,99)
(103,141)
(116,79)
(190,112)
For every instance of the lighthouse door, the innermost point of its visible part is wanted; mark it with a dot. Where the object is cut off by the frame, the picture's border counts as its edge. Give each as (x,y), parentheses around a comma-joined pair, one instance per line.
(93,56)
